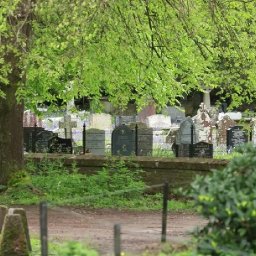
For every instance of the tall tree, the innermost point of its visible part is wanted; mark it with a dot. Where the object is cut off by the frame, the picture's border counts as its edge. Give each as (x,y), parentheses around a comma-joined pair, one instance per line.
(15,32)
(129,50)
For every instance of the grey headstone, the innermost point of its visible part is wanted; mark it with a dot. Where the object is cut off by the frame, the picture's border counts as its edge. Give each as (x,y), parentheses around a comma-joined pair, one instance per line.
(184,132)
(95,141)
(24,220)
(14,241)
(127,120)
(123,141)
(177,114)
(145,141)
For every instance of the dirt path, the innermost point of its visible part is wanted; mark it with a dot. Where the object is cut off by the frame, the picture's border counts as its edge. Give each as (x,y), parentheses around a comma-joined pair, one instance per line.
(140,231)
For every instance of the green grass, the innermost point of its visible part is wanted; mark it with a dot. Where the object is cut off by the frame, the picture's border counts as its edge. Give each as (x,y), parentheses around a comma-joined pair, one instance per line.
(70,248)
(115,186)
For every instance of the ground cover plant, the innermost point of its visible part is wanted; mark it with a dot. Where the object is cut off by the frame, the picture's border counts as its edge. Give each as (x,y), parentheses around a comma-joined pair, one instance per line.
(114,186)
(227,199)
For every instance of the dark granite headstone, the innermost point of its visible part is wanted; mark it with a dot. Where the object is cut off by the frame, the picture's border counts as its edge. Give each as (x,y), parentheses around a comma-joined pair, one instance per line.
(202,149)
(29,137)
(42,141)
(236,136)
(123,141)
(59,145)
(95,141)
(145,141)
(182,150)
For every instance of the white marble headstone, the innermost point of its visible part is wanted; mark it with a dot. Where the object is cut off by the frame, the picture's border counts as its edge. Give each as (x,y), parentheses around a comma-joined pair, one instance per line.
(158,121)
(232,115)
(100,121)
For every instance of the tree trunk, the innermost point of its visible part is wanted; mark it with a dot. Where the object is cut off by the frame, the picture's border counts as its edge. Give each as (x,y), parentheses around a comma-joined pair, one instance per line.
(11,134)
(11,112)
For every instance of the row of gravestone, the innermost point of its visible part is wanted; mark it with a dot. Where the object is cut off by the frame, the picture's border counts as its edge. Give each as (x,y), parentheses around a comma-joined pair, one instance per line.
(125,140)
(187,143)
(37,139)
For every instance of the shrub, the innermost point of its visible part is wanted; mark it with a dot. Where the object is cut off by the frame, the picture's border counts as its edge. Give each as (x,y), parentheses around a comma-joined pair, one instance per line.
(227,198)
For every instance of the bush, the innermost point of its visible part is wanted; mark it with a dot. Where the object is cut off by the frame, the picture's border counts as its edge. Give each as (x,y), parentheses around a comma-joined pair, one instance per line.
(227,198)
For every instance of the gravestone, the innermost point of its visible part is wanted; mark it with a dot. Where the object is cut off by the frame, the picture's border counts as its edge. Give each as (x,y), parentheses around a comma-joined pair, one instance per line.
(253,130)
(223,125)
(145,142)
(184,132)
(236,136)
(127,120)
(177,114)
(148,110)
(67,125)
(158,122)
(182,150)
(29,137)
(202,149)
(203,124)
(30,119)
(13,237)
(100,121)
(123,141)
(42,139)
(95,141)
(236,116)
(59,145)
(145,139)
(183,140)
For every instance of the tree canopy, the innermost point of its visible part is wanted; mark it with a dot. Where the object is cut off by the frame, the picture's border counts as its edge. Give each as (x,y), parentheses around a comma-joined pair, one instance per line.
(131,50)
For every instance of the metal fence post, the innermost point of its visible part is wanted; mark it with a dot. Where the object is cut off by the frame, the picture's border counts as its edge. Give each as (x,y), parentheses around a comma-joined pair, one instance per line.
(165,209)
(117,240)
(34,138)
(136,140)
(84,138)
(43,229)
(191,150)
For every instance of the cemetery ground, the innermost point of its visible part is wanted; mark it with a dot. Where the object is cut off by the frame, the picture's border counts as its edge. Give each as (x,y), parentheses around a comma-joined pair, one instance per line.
(92,207)
(116,195)
(140,230)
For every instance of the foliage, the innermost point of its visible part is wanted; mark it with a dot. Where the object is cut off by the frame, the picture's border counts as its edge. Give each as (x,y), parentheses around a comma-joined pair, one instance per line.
(114,186)
(130,50)
(227,199)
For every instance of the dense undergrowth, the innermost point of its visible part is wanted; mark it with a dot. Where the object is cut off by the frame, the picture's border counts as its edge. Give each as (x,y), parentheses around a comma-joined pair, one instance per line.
(114,186)
(227,198)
